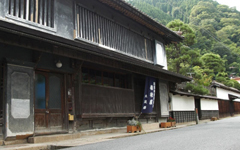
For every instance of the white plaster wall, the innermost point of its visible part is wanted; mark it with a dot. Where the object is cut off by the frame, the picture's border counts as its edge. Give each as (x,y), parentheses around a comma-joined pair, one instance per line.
(237,100)
(208,104)
(182,103)
(161,57)
(223,94)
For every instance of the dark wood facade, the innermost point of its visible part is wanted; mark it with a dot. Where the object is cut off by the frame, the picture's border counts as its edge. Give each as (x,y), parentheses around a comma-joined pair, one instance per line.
(224,108)
(228,108)
(236,107)
(105,55)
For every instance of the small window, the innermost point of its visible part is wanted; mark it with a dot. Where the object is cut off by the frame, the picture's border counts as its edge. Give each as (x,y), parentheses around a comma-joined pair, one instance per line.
(104,78)
(98,78)
(160,55)
(36,11)
(85,74)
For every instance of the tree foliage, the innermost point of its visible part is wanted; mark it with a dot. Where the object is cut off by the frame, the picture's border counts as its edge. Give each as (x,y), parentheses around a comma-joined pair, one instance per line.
(213,62)
(179,55)
(212,36)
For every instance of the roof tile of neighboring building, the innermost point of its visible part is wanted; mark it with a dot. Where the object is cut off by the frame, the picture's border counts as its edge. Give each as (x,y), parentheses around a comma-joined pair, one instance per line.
(217,84)
(195,95)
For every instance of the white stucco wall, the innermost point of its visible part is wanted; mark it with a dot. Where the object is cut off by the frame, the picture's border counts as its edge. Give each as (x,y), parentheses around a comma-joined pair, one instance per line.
(208,104)
(161,57)
(182,103)
(223,94)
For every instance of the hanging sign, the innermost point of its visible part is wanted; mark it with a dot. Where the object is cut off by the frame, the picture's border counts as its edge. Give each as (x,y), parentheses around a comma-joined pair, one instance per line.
(149,95)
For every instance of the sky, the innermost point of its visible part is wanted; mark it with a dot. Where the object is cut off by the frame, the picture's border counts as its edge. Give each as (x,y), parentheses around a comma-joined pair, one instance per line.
(230,3)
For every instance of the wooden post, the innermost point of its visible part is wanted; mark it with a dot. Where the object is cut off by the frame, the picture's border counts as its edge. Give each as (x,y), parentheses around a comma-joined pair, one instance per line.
(145,42)
(77,96)
(66,122)
(36,12)
(196,114)
(78,27)
(73,102)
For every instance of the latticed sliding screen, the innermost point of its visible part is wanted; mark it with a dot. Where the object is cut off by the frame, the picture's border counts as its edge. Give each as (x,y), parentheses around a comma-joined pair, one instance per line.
(98,29)
(37,11)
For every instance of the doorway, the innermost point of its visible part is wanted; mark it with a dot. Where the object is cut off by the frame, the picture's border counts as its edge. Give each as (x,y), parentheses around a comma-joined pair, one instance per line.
(231,104)
(198,106)
(49,108)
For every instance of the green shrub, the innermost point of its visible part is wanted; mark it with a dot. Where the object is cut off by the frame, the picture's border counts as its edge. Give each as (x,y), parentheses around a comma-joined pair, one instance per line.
(196,89)
(199,89)
(189,86)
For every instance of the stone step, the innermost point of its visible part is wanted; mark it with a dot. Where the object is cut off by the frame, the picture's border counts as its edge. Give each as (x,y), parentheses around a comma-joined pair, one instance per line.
(150,126)
(62,137)
(13,142)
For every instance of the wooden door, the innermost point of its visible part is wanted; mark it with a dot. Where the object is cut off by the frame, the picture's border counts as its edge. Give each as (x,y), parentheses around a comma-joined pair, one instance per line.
(231,107)
(198,106)
(49,108)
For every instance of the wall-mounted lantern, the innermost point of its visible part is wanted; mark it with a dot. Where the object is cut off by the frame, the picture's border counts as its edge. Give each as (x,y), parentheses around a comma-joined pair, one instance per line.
(59,64)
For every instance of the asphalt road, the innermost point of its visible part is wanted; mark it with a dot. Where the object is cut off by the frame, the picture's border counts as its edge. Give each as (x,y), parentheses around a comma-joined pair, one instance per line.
(219,135)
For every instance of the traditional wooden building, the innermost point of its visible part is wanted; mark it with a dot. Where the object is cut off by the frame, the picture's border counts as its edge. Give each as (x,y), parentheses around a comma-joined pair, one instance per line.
(183,106)
(223,101)
(230,99)
(71,65)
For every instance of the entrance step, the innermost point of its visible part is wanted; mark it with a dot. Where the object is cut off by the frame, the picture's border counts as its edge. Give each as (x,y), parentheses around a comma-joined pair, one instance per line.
(13,142)
(150,126)
(63,137)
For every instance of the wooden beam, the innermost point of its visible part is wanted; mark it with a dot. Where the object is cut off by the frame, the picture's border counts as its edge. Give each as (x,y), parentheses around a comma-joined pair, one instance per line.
(81,54)
(105,115)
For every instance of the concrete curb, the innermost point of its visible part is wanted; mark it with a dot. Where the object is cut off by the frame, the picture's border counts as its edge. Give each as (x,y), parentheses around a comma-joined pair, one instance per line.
(89,137)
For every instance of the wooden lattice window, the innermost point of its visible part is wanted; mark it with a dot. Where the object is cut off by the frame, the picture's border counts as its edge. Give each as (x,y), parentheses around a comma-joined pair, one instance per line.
(97,77)
(98,29)
(37,11)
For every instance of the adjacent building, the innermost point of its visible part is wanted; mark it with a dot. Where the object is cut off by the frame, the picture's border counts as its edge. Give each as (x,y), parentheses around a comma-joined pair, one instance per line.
(222,101)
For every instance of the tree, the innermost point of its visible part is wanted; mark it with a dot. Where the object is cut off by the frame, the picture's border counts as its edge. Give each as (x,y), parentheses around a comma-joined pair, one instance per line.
(214,62)
(207,27)
(179,55)
(222,77)
(202,76)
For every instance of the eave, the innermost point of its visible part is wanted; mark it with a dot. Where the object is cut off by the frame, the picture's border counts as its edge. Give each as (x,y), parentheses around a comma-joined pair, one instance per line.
(14,34)
(194,95)
(220,85)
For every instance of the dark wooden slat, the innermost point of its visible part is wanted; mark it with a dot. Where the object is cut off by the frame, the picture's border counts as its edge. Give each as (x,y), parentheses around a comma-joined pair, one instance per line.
(104,115)
(25,9)
(15,6)
(9,7)
(52,13)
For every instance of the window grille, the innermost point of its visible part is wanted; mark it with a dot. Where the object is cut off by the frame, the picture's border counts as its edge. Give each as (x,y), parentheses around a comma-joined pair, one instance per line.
(98,29)
(37,11)
(97,77)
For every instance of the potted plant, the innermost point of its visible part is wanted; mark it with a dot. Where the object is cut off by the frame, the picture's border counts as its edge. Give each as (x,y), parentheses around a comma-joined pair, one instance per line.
(165,125)
(173,121)
(134,126)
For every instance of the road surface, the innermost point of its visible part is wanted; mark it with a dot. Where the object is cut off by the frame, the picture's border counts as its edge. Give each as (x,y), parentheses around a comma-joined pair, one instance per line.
(218,135)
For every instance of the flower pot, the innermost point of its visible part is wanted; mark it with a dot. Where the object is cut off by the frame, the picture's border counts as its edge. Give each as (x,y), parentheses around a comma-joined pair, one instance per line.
(139,128)
(173,124)
(133,129)
(165,125)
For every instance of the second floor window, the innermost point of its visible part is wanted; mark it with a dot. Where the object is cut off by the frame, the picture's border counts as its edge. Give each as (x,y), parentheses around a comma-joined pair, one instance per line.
(36,11)
(96,28)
